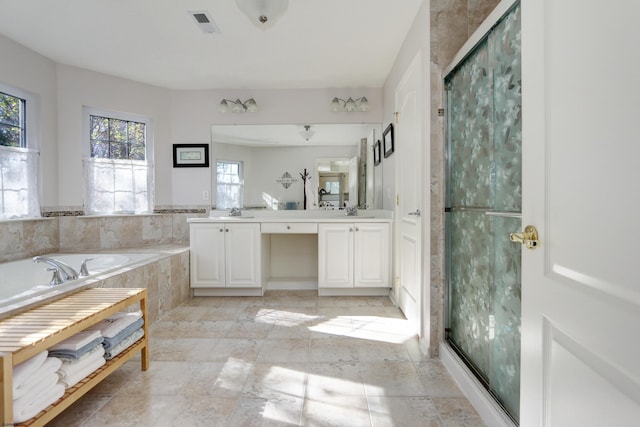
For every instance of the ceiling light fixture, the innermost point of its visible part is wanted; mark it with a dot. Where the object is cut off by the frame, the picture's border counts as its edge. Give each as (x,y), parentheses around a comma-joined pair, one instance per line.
(238,106)
(307,133)
(263,13)
(350,105)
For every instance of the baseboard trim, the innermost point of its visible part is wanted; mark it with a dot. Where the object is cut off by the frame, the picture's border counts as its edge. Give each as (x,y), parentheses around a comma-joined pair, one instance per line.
(490,412)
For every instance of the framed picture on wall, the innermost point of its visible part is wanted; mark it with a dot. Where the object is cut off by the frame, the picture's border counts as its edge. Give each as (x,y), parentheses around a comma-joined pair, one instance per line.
(387,137)
(377,153)
(190,155)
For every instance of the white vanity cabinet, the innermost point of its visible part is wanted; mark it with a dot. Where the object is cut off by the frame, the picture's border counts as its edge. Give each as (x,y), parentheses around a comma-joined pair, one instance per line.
(225,255)
(353,255)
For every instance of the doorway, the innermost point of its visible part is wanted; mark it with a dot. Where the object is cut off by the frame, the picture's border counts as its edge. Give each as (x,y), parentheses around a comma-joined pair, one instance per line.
(483,206)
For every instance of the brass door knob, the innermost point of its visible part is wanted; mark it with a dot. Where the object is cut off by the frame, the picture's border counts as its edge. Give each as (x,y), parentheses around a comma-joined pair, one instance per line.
(529,237)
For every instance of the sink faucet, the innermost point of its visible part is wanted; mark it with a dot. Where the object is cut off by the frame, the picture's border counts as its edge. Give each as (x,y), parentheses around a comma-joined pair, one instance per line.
(235,212)
(352,211)
(68,273)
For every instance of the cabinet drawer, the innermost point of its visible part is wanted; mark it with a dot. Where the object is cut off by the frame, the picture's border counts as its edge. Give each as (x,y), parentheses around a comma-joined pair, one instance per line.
(291,228)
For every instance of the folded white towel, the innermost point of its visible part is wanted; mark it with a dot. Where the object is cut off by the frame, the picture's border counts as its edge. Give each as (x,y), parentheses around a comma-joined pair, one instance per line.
(110,326)
(29,406)
(71,380)
(50,366)
(26,369)
(71,369)
(77,341)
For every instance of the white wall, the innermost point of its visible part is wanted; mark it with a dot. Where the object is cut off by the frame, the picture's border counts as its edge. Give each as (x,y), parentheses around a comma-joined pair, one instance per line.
(27,70)
(77,88)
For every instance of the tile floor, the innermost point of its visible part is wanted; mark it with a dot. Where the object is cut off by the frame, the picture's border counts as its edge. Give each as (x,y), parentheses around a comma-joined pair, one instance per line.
(290,358)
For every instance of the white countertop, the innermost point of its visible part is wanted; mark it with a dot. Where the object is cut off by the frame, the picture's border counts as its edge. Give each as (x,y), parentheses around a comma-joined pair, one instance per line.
(297,216)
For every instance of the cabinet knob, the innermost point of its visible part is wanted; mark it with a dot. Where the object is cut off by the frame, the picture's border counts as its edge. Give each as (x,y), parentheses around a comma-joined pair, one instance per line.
(288,227)
(221,230)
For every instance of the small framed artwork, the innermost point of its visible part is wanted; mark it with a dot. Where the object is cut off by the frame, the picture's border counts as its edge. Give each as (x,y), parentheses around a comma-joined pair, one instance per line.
(387,137)
(377,153)
(190,155)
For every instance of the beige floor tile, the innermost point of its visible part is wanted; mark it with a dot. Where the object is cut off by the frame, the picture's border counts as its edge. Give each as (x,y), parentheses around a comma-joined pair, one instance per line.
(403,411)
(191,329)
(272,380)
(288,350)
(327,380)
(457,412)
(249,329)
(392,379)
(436,380)
(286,359)
(333,349)
(376,351)
(336,411)
(281,410)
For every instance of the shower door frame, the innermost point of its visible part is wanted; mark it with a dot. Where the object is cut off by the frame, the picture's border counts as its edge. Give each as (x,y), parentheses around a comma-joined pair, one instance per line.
(466,375)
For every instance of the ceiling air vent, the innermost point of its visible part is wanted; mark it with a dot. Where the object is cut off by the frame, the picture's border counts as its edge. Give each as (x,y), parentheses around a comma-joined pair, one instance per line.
(205,22)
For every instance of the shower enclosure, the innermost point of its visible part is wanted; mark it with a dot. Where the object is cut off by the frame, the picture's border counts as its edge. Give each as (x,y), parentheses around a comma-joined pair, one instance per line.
(483,205)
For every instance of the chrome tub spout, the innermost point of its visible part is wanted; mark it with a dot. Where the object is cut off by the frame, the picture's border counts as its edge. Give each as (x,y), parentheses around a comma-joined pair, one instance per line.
(67,272)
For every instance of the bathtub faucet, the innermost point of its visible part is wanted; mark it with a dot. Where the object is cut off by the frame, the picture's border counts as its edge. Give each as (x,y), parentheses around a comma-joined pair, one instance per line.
(68,273)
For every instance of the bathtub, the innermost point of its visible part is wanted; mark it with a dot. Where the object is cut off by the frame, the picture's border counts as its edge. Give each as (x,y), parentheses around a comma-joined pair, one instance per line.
(24,283)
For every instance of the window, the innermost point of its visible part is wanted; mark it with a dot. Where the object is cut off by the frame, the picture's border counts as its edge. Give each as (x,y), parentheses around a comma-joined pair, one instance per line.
(117,165)
(12,121)
(18,158)
(229,185)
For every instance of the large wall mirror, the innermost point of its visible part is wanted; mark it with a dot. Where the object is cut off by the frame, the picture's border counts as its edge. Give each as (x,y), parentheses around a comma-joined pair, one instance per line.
(289,166)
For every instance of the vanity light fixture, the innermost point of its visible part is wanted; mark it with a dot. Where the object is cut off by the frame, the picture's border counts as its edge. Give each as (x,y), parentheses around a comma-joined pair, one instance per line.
(238,106)
(263,13)
(350,105)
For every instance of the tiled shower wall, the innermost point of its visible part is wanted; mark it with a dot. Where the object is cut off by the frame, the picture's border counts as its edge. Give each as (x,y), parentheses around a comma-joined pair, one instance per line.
(452,23)
(26,238)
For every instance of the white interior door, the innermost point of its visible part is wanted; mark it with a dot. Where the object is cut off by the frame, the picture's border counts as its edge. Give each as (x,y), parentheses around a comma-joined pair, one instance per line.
(580,291)
(409,166)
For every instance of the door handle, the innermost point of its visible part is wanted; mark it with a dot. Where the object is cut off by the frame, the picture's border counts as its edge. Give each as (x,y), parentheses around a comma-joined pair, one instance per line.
(416,213)
(529,237)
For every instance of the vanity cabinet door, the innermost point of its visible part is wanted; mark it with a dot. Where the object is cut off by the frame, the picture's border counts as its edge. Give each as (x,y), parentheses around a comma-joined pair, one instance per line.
(335,255)
(207,255)
(243,255)
(371,255)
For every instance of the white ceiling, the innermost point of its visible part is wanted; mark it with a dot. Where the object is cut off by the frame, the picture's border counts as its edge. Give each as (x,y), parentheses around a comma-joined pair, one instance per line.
(315,44)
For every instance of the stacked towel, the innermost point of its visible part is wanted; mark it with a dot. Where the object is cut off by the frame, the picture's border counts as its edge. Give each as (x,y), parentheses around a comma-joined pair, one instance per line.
(25,370)
(27,385)
(124,344)
(76,370)
(110,342)
(77,345)
(36,387)
(29,406)
(111,326)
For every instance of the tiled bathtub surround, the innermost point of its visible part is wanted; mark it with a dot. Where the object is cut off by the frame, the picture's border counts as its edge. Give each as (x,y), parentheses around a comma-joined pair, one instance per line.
(166,280)
(165,275)
(26,238)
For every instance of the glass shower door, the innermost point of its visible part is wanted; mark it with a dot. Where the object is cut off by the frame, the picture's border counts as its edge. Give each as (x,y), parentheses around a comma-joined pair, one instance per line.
(483,207)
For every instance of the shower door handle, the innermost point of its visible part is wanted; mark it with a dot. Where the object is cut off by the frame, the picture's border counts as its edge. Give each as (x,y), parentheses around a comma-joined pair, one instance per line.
(529,237)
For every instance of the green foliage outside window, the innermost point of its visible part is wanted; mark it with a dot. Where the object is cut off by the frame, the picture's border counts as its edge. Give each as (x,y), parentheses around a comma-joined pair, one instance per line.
(117,139)
(12,121)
